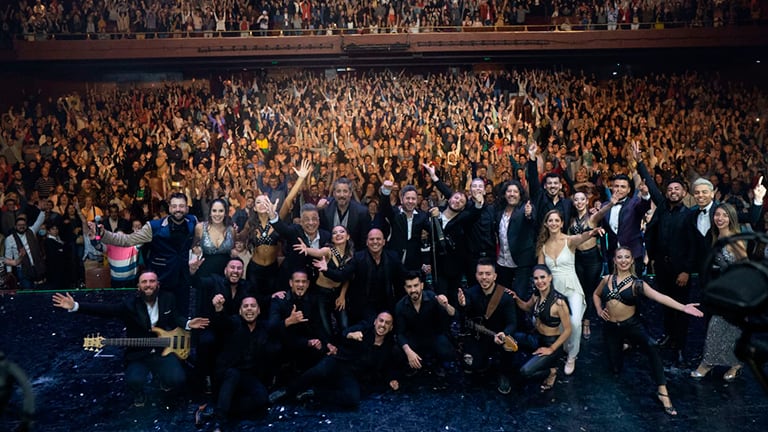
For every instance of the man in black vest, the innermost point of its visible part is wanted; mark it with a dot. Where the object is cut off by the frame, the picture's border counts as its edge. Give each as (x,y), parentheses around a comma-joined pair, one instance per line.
(23,252)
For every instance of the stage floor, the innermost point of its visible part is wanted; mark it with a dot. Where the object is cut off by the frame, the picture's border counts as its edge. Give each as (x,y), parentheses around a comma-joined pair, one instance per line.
(76,391)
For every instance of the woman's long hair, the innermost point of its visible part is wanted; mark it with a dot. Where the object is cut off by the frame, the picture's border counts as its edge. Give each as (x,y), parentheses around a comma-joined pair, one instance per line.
(227,219)
(544,231)
(733,220)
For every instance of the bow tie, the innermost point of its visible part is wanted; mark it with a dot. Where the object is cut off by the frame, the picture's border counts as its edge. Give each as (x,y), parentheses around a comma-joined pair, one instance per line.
(621,202)
(702,211)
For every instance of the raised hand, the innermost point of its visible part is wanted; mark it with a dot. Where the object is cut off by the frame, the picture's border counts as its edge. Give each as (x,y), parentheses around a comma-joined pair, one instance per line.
(528,209)
(759,190)
(637,153)
(64,301)
(430,170)
(304,170)
(218,302)
(272,208)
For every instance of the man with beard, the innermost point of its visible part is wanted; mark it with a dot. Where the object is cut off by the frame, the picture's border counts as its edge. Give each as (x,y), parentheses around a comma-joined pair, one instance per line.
(295,324)
(480,236)
(623,222)
(149,309)
(170,240)
(24,252)
(240,366)
(670,245)
(551,198)
(487,305)
(366,355)
(406,224)
(375,277)
(344,211)
(423,321)
(449,251)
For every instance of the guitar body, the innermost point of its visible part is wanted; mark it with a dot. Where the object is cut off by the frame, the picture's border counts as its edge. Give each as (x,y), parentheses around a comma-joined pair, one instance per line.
(176,341)
(180,342)
(510,344)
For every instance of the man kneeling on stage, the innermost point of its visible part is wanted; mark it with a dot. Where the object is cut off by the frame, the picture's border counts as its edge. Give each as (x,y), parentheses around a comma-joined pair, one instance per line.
(367,356)
(150,309)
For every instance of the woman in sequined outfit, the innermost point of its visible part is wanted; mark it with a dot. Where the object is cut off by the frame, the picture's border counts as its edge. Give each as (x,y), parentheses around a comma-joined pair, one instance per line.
(721,336)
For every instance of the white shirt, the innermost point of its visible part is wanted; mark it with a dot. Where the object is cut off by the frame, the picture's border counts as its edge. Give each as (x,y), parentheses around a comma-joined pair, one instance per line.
(703,222)
(613,219)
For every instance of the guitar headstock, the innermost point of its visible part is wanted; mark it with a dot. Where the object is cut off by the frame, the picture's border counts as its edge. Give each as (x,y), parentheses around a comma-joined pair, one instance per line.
(93,342)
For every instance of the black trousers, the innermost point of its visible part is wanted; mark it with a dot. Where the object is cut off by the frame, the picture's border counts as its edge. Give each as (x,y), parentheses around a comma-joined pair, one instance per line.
(632,330)
(439,347)
(484,352)
(675,322)
(326,299)
(589,268)
(538,365)
(241,394)
(167,370)
(519,280)
(333,382)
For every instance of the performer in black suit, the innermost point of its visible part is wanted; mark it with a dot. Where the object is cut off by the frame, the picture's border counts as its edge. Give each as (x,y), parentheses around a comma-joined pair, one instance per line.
(703,212)
(670,245)
(448,238)
(548,197)
(150,308)
(344,211)
(308,231)
(481,235)
(516,227)
(622,222)
(406,225)
(375,276)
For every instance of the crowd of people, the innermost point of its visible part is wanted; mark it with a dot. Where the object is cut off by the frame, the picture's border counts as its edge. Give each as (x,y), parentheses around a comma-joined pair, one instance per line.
(357,226)
(155,18)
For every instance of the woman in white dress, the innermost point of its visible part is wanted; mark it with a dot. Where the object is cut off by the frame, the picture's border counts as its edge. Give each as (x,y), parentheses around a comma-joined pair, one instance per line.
(557,251)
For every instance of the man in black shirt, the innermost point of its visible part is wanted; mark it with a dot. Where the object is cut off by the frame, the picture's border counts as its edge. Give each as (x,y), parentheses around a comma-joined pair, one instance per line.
(493,315)
(366,355)
(422,321)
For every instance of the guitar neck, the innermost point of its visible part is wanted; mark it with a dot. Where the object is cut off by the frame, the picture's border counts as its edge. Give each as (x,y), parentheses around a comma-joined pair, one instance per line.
(159,342)
(481,329)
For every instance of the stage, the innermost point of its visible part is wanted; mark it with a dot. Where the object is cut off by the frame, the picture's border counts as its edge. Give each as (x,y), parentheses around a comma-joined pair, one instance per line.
(76,391)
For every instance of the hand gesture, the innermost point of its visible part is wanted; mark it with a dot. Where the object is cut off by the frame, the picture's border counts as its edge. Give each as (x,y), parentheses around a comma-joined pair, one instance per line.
(643,189)
(528,209)
(64,301)
(315,343)
(462,299)
(218,302)
(759,190)
(321,264)
(387,186)
(195,263)
(322,203)
(637,154)
(272,208)
(356,336)
(532,151)
(430,170)
(296,317)
(442,300)
(691,309)
(479,197)
(304,170)
(300,247)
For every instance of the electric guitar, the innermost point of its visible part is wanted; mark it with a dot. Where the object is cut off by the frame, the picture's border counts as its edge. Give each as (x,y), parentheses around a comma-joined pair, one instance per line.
(510,344)
(176,341)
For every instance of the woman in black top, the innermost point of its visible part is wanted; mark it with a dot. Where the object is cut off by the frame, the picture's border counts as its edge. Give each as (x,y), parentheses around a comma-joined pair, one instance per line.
(615,300)
(553,327)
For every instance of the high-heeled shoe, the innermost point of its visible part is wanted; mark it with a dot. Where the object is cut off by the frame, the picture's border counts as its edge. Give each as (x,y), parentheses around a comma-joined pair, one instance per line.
(669,409)
(732,373)
(701,371)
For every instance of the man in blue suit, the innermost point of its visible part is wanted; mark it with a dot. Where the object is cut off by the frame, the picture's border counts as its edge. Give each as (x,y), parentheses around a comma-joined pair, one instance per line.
(622,222)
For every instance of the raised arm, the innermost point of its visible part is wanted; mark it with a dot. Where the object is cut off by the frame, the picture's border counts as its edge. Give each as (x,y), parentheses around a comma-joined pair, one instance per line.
(302,172)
